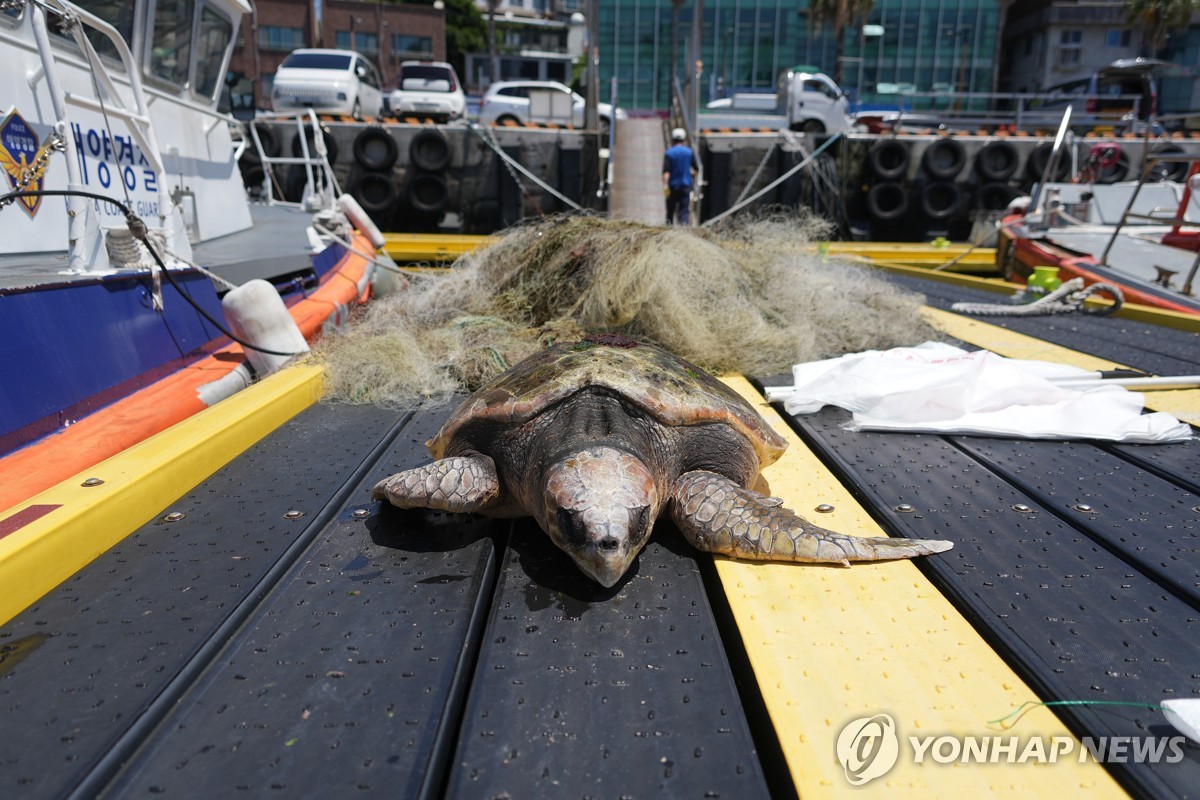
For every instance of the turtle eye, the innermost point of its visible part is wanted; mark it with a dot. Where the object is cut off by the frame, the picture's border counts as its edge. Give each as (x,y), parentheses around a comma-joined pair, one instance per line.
(639,523)
(570,526)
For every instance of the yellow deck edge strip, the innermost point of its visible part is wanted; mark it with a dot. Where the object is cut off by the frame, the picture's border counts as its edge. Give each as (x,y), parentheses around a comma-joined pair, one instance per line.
(831,645)
(74,524)
(1138,312)
(1184,404)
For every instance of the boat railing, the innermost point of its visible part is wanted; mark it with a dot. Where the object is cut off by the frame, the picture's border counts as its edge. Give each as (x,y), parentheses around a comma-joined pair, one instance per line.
(110,104)
(321,186)
(1150,161)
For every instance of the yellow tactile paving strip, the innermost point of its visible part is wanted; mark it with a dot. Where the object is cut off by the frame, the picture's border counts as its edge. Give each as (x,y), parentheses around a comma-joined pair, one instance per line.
(832,645)
(60,531)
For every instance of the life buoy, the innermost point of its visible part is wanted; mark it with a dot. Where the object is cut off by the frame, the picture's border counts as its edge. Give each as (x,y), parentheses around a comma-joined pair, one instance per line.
(374,148)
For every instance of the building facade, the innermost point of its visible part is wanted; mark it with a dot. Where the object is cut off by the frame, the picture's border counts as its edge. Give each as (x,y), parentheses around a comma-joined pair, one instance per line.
(384,32)
(902,50)
(1049,43)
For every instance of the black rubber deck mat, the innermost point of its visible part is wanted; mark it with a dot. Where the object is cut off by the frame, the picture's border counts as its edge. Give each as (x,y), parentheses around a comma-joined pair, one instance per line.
(1085,606)
(1152,348)
(582,691)
(92,659)
(348,680)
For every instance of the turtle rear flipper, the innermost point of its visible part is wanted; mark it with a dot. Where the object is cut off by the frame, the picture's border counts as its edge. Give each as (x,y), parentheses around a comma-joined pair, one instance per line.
(461,484)
(719,516)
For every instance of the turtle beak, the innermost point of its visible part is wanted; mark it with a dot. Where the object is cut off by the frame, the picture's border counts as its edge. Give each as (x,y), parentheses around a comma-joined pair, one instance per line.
(605,560)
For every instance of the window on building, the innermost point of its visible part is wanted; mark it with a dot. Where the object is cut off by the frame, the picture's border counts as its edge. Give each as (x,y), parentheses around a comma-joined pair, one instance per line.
(275,37)
(1070,47)
(1118,37)
(408,46)
(364,42)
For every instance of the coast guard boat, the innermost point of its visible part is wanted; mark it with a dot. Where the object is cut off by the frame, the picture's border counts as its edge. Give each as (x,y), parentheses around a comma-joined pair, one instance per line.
(127,228)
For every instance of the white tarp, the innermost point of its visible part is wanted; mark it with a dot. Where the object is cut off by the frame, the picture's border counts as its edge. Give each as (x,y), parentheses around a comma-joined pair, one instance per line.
(943,389)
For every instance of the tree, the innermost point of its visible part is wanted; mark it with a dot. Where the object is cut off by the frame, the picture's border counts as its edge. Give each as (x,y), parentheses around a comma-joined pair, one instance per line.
(465,33)
(839,14)
(1156,18)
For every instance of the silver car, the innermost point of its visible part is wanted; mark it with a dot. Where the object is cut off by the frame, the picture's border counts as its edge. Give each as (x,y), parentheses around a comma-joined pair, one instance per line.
(510,101)
(331,81)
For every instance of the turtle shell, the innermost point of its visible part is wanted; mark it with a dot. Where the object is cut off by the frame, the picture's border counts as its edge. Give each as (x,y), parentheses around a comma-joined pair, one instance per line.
(666,387)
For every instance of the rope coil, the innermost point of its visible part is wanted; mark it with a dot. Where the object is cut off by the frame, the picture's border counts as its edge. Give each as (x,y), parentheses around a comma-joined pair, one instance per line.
(1066,299)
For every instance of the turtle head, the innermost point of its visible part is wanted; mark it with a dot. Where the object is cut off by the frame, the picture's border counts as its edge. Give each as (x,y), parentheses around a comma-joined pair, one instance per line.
(599,506)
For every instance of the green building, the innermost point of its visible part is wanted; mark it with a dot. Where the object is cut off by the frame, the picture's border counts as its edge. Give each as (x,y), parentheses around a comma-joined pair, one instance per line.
(911,53)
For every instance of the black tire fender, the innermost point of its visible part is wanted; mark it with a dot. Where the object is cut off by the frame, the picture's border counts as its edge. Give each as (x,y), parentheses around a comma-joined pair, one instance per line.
(888,159)
(429,150)
(427,193)
(944,158)
(997,161)
(375,191)
(939,200)
(887,201)
(374,148)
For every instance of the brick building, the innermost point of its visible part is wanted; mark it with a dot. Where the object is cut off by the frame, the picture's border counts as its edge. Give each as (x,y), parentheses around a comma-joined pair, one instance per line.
(385,33)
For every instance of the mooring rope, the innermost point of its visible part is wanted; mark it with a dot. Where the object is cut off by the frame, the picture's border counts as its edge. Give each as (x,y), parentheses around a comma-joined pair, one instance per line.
(1066,299)
(510,163)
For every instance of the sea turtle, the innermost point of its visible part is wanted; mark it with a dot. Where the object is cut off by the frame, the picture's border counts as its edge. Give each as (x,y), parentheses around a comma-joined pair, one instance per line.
(593,439)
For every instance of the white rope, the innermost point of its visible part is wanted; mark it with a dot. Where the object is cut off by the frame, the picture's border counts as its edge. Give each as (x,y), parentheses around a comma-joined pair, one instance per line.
(808,160)
(1066,299)
(512,163)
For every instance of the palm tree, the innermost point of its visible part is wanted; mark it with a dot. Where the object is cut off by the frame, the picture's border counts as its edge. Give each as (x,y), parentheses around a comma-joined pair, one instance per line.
(839,14)
(1156,19)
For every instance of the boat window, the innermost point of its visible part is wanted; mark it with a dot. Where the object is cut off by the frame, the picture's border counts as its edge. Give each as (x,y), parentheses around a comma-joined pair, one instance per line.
(215,33)
(119,14)
(171,45)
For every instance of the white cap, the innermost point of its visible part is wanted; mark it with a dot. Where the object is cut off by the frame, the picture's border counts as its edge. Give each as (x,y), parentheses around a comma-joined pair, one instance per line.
(678,134)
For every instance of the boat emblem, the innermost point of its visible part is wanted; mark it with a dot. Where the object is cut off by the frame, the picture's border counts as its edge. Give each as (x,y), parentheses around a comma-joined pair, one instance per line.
(24,161)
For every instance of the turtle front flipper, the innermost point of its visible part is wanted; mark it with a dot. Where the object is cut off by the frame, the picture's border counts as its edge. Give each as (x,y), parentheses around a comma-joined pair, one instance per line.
(719,516)
(461,484)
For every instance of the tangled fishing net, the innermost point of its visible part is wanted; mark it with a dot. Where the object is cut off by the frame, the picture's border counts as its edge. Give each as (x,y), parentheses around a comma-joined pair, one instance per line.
(752,297)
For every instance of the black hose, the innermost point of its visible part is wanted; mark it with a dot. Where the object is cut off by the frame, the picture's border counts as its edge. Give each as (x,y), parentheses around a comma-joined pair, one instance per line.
(137,227)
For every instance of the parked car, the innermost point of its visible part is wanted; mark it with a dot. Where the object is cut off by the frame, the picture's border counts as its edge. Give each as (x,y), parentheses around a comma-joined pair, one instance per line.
(1121,95)
(332,81)
(430,89)
(510,101)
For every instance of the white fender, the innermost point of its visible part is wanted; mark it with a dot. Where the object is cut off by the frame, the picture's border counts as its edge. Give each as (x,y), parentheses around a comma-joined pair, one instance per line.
(256,314)
(359,219)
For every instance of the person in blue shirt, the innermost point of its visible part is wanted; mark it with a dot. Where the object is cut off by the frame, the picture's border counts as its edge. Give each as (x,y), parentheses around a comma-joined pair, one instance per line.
(679,171)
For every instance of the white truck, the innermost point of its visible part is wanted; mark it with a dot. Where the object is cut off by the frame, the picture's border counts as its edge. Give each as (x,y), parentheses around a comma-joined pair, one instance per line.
(805,100)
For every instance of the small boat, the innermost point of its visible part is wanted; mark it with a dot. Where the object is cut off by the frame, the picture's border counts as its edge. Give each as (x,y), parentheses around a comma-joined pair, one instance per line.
(1133,235)
(129,236)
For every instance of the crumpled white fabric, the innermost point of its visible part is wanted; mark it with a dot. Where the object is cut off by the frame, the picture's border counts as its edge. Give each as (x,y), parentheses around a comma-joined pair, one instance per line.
(939,388)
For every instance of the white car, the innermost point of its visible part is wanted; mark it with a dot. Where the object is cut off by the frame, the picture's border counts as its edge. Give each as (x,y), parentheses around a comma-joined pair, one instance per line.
(428,89)
(331,81)
(506,101)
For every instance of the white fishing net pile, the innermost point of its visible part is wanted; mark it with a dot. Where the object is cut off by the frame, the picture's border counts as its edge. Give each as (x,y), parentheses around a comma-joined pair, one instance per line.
(753,298)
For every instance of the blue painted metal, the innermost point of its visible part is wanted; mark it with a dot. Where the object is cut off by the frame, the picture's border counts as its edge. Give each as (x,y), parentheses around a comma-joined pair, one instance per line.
(74,347)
